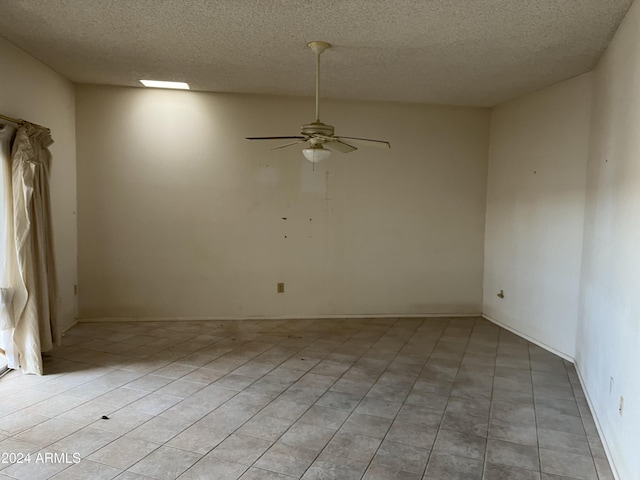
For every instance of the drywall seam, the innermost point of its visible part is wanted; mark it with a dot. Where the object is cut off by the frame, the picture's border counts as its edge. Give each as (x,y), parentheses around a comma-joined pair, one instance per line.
(530,339)
(285,317)
(607,450)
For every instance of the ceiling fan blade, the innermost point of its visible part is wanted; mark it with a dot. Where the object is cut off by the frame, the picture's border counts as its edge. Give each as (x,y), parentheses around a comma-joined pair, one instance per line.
(373,143)
(274,138)
(289,144)
(336,144)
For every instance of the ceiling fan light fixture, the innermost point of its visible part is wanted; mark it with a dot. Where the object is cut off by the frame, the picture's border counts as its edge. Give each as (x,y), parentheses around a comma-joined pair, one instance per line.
(316,153)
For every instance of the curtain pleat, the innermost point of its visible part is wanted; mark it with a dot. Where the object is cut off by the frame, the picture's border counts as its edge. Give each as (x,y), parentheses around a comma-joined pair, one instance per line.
(8,262)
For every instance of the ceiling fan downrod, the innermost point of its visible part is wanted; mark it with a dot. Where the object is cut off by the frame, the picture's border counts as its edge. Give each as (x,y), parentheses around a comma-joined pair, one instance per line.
(318,47)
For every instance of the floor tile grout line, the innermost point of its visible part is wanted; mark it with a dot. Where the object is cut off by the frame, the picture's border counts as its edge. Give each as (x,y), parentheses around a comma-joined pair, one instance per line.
(337,379)
(424,472)
(449,396)
(192,423)
(392,420)
(536,414)
(491,406)
(493,384)
(535,410)
(157,415)
(593,460)
(282,393)
(329,389)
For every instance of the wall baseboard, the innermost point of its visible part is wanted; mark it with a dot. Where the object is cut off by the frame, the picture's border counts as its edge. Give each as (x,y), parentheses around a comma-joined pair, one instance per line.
(607,450)
(58,340)
(284,317)
(530,339)
(582,384)
(69,327)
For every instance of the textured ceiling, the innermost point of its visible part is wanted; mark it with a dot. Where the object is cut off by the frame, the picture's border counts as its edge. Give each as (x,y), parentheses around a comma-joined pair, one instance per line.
(462,52)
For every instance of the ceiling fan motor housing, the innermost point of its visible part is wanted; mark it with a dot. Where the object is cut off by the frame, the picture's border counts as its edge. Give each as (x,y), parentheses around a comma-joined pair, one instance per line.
(317,128)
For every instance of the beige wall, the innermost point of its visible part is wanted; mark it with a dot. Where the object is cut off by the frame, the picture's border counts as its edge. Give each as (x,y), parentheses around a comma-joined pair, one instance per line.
(583,203)
(32,91)
(181,217)
(608,353)
(535,213)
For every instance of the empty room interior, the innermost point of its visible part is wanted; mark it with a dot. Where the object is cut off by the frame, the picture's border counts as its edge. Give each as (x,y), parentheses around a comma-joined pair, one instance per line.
(410,252)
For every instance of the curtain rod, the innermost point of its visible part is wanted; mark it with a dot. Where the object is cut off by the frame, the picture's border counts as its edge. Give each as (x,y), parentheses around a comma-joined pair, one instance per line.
(19,121)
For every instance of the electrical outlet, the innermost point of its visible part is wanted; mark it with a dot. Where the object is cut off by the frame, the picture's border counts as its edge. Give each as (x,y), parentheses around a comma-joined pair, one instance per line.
(280,287)
(621,407)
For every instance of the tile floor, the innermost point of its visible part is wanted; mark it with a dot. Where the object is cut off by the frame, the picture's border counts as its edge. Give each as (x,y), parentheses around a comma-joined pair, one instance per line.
(374,399)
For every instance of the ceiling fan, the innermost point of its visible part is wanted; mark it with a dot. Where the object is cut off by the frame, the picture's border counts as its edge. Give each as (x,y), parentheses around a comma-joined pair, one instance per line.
(319,135)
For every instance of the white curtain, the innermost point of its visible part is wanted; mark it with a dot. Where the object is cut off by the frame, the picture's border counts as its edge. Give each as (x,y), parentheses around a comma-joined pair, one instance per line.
(8,268)
(31,274)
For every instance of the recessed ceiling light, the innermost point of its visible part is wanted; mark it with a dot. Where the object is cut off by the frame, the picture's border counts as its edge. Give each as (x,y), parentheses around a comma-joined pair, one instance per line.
(161,84)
